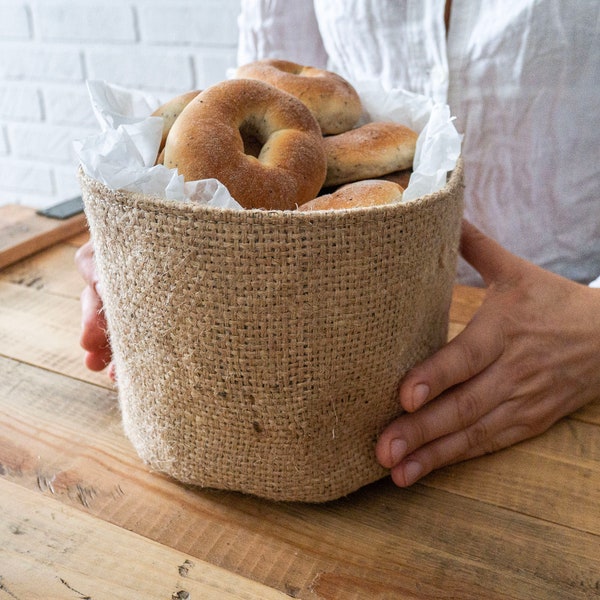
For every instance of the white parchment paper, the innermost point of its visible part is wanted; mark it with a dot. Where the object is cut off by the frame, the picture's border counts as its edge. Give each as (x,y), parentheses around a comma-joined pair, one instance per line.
(438,144)
(122,154)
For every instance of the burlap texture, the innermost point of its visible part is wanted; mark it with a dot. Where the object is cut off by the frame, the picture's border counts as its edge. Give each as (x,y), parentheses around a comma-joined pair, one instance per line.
(261,351)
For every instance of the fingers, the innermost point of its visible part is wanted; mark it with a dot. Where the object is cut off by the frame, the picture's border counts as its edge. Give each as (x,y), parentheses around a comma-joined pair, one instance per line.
(93,331)
(485,255)
(112,373)
(93,323)
(478,346)
(469,353)
(84,261)
(98,361)
(451,377)
(491,432)
(462,424)
(454,411)
(94,338)
(483,391)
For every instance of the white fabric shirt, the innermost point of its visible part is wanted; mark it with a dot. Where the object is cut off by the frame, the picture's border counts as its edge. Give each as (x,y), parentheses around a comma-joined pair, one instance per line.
(521,76)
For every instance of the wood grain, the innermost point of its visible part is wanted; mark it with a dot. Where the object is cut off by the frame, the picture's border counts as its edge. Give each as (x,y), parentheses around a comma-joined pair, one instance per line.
(48,550)
(50,272)
(62,438)
(24,232)
(43,329)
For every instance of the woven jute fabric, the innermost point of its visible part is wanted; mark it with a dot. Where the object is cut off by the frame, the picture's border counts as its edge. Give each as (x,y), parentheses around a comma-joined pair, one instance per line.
(261,351)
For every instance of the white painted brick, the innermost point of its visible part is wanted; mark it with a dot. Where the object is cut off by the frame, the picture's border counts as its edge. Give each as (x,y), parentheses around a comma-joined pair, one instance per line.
(74,20)
(48,143)
(147,69)
(67,184)
(20,102)
(68,105)
(14,20)
(48,48)
(34,61)
(211,22)
(25,177)
(210,66)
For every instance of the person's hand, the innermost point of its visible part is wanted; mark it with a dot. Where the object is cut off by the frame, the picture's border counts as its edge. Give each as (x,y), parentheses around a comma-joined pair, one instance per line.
(94,339)
(528,358)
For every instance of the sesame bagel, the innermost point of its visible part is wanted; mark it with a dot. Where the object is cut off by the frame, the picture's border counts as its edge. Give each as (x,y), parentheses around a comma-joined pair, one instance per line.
(369,192)
(369,151)
(332,100)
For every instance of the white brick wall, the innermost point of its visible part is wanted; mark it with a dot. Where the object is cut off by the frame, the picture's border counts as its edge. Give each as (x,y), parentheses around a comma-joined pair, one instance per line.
(48,48)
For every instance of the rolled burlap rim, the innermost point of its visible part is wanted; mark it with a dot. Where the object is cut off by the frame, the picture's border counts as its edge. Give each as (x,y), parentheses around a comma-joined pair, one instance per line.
(261,351)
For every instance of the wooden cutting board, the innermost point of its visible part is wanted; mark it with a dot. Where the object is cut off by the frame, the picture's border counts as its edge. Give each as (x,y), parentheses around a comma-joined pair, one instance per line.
(24,232)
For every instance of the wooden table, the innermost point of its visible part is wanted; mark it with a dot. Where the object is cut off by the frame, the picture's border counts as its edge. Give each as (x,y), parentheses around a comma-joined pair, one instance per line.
(83,518)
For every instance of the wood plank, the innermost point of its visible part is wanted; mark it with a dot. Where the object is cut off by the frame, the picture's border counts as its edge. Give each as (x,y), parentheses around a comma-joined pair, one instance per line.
(43,329)
(51,272)
(63,437)
(589,413)
(79,239)
(465,302)
(24,232)
(49,550)
(533,478)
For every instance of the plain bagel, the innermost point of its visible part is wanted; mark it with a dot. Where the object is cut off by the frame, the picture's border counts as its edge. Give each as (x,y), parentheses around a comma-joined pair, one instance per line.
(332,100)
(369,192)
(369,151)
(263,144)
(170,110)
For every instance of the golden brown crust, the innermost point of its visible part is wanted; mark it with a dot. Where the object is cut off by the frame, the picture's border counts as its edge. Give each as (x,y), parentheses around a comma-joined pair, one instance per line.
(369,151)
(208,141)
(400,177)
(332,100)
(370,192)
(169,111)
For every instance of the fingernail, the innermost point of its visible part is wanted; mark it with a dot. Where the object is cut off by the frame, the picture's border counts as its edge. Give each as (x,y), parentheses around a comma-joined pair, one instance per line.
(412,471)
(397,450)
(420,395)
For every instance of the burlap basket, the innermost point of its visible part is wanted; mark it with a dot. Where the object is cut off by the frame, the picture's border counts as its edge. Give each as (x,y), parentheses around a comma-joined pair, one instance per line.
(261,351)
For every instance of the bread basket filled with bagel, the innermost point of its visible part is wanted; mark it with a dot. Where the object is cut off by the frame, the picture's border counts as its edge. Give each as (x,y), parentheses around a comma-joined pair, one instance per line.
(275,252)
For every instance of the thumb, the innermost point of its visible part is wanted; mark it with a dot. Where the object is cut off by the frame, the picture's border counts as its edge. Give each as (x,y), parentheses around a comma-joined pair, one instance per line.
(485,255)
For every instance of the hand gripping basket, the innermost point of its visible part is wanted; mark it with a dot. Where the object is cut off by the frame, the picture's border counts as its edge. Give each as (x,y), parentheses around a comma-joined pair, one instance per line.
(261,351)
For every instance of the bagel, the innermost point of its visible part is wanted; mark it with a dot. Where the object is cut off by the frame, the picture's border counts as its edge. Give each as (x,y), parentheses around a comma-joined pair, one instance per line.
(332,100)
(400,177)
(369,151)
(263,144)
(170,110)
(369,192)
